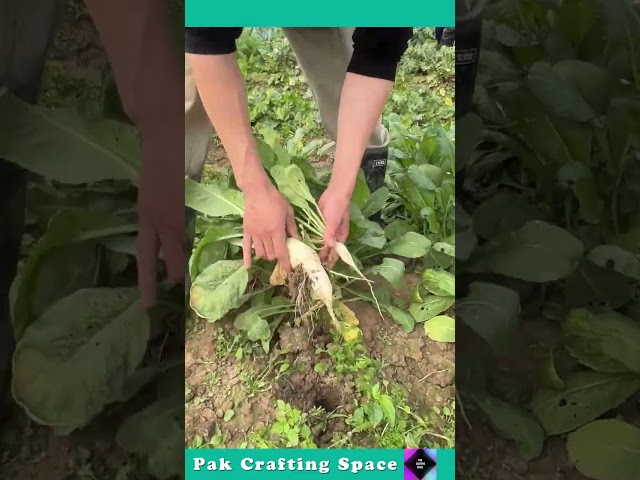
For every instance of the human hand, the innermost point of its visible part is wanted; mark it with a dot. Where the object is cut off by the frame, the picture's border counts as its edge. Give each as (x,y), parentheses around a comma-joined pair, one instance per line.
(334,205)
(268,219)
(161,217)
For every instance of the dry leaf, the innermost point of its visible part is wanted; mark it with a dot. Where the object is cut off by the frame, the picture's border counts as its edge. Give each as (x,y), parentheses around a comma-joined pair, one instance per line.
(278,277)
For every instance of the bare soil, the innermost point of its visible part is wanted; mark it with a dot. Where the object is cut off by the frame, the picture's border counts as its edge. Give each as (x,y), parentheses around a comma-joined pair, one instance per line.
(423,368)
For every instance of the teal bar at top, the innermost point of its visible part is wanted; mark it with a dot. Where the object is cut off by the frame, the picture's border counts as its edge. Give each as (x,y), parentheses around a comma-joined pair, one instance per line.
(309,464)
(325,13)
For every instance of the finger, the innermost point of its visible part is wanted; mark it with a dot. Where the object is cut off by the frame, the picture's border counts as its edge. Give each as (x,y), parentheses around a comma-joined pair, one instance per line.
(258,248)
(147,247)
(324,254)
(330,235)
(246,250)
(343,231)
(332,259)
(269,250)
(291,226)
(282,252)
(173,245)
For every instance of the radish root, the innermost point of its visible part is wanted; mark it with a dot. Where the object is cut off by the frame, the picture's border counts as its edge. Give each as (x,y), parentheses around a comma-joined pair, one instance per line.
(304,257)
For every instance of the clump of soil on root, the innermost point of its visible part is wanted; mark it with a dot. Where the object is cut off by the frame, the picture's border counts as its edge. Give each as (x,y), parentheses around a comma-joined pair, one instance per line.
(298,287)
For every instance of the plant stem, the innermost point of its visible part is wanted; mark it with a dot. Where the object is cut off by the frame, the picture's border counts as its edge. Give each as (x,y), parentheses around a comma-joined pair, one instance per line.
(318,221)
(312,229)
(348,277)
(614,198)
(275,310)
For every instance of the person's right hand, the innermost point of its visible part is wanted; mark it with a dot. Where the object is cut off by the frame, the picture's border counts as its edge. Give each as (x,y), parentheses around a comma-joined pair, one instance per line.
(268,219)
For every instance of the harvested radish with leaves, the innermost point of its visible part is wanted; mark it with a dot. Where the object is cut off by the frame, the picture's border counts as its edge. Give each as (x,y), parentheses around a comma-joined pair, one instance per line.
(221,284)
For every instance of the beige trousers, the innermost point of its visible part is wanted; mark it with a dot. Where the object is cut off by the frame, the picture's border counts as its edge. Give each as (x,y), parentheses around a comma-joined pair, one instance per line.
(322,53)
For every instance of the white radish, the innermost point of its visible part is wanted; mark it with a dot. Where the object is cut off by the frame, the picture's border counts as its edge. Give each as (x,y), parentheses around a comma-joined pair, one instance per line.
(301,255)
(346,257)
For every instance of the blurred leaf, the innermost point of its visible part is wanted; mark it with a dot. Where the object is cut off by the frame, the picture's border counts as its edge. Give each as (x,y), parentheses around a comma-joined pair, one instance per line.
(605,450)
(71,140)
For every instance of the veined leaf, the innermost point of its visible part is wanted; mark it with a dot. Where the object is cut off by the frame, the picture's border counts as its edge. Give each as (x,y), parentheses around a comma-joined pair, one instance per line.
(213,201)
(67,228)
(216,291)
(392,270)
(431,306)
(376,202)
(605,450)
(616,258)
(409,245)
(78,354)
(492,311)
(587,396)
(441,328)
(558,96)
(513,423)
(439,282)
(65,147)
(151,432)
(606,342)
(537,252)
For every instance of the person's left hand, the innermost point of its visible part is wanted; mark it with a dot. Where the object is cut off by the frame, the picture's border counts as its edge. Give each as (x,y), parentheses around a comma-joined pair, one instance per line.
(334,206)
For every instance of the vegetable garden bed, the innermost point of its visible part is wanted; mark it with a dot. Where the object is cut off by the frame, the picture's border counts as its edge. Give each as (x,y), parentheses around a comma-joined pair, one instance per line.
(366,368)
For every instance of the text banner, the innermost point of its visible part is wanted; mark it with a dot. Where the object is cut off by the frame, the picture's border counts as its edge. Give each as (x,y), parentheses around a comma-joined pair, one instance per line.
(308,464)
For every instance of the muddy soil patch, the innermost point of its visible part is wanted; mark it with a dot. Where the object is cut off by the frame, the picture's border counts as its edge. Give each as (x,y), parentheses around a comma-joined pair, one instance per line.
(216,384)
(310,391)
(426,369)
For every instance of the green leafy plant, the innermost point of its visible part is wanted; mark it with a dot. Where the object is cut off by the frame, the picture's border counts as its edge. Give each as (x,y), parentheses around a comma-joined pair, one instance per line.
(549,218)
(221,286)
(71,360)
(290,427)
(82,225)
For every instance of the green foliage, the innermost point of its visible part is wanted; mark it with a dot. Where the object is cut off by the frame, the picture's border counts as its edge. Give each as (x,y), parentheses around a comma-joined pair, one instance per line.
(217,287)
(90,336)
(582,453)
(551,200)
(84,344)
(416,233)
(280,99)
(73,361)
(290,428)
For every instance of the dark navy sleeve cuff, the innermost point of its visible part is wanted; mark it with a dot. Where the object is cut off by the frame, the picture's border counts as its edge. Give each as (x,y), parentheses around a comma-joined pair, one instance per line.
(210,40)
(377,51)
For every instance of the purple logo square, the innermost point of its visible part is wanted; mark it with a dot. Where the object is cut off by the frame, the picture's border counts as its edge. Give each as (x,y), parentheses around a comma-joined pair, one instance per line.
(420,464)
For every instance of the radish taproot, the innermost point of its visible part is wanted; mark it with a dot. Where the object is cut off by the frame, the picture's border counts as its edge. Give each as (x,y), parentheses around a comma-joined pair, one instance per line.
(303,256)
(346,257)
(310,220)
